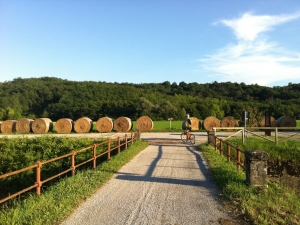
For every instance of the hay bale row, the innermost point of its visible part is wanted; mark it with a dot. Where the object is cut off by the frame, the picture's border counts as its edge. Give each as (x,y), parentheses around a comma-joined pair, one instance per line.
(42,125)
(286,121)
(122,124)
(210,122)
(24,125)
(262,122)
(144,123)
(83,125)
(64,125)
(8,126)
(196,123)
(104,124)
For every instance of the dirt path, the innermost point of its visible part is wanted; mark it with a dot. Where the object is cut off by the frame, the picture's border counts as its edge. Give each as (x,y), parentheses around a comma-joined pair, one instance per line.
(165,184)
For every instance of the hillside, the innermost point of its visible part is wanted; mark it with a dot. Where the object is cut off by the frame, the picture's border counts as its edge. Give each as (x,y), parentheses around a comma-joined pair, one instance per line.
(57,98)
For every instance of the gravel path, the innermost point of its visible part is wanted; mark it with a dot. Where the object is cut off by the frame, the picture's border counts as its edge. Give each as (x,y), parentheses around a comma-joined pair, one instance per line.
(167,183)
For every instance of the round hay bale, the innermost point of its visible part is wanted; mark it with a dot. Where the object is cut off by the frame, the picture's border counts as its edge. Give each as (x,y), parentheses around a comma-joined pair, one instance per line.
(64,125)
(210,122)
(104,124)
(42,125)
(24,125)
(229,121)
(83,125)
(144,123)
(8,126)
(286,121)
(262,122)
(196,124)
(122,124)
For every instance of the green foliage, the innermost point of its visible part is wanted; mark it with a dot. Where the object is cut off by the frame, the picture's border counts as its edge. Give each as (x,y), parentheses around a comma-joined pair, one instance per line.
(60,200)
(56,98)
(18,153)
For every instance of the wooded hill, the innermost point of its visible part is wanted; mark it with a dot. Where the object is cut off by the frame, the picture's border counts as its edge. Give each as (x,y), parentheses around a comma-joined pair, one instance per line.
(56,98)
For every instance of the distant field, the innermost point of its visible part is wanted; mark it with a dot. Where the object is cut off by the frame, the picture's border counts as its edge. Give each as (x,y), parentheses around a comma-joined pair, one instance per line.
(164,125)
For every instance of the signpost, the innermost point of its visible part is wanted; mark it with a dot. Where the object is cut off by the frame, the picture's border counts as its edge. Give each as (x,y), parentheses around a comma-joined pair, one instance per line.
(170,119)
(245,117)
(267,122)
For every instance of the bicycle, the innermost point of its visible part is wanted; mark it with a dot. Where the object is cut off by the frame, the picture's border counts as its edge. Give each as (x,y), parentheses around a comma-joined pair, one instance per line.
(188,136)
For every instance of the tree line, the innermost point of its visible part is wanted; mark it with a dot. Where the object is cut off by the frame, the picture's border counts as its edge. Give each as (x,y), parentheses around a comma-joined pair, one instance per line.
(57,98)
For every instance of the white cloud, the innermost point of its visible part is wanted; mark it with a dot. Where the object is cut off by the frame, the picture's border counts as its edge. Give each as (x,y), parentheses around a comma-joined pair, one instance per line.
(254,59)
(249,26)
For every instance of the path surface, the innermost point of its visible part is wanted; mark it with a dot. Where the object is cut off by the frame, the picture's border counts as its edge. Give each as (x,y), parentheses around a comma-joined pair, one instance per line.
(167,183)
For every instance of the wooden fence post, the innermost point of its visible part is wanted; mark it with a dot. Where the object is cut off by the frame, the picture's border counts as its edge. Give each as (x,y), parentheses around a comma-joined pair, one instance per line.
(73,163)
(228,152)
(126,143)
(132,138)
(119,145)
(108,150)
(276,135)
(238,156)
(221,147)
(38,178)
(216,145)
(95,156)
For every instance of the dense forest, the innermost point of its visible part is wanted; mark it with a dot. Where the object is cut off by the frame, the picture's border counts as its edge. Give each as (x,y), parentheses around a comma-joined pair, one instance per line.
(56,98)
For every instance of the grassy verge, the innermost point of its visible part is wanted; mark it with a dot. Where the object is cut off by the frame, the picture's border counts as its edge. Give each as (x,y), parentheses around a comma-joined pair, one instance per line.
(59,200)
(259,205)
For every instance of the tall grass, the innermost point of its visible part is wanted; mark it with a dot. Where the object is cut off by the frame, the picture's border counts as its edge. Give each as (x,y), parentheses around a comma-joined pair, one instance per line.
(258,205)
(288,149)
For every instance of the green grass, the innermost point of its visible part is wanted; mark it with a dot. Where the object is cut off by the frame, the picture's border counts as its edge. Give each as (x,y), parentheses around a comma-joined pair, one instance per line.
(59,200)
(260,205)
(285,150)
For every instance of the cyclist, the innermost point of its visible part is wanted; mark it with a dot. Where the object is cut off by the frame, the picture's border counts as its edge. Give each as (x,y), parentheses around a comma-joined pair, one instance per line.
(187,126)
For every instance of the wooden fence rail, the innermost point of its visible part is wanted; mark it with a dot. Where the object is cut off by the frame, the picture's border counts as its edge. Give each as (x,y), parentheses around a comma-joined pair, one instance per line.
(219,146)
(38,165)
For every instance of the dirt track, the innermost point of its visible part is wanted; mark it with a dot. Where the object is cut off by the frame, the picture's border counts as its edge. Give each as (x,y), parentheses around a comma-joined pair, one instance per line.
(167,183)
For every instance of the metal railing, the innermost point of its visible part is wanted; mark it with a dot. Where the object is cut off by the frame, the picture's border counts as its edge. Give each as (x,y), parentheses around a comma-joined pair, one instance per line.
(118,143)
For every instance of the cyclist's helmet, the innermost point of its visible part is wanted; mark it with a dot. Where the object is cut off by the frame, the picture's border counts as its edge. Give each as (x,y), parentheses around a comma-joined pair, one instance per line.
(187,115)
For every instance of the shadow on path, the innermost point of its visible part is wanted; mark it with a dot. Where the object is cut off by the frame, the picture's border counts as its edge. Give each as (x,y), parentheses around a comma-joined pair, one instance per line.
(148,177)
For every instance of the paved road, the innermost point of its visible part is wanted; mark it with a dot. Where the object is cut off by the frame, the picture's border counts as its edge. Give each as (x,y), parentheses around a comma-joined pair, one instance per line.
(167,183)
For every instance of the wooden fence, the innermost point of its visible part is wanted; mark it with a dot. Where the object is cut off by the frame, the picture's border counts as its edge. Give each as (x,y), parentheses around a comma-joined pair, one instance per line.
(112,144)
(286,132)
(220,144)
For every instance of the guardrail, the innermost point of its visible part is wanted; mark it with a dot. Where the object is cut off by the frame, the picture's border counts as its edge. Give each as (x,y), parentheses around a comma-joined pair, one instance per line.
(118,143)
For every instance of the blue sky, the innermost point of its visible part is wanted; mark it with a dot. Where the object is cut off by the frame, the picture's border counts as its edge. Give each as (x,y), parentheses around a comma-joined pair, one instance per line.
(139,41)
